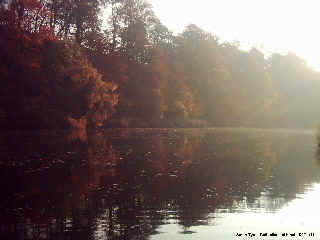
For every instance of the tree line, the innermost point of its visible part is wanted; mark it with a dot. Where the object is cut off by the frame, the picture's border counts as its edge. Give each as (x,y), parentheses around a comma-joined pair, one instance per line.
(62,65)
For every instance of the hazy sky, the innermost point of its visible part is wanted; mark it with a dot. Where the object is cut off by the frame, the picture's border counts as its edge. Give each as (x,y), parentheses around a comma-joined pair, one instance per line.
(277,25)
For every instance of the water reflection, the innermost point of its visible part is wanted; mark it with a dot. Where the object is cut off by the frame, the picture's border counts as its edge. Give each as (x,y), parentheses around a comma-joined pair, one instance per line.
(136,183)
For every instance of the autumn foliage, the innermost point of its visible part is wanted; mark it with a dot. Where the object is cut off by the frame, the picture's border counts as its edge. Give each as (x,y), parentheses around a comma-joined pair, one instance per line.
(60,68)
(47,82)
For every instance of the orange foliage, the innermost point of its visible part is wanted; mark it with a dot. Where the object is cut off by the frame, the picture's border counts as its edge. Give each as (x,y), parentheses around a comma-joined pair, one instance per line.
(50,77)
(27,15)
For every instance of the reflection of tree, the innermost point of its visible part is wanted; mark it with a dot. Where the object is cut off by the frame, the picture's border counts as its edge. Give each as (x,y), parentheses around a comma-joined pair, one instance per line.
(125,184)
(296,168)
(196,178)
(318,144)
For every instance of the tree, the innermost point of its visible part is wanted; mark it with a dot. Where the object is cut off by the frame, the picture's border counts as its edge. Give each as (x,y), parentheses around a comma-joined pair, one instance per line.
(130,24)
(74,18)
(26,15)
(297,87)
(49,83)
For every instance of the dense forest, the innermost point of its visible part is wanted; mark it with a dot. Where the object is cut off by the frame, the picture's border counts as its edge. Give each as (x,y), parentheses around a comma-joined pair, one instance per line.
(63,65)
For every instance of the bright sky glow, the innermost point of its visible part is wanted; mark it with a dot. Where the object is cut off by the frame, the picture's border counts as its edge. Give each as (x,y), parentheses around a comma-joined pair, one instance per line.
(270,25)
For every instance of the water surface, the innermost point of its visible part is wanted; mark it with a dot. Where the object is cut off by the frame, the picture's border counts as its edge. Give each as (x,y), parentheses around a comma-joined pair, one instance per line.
(159,184)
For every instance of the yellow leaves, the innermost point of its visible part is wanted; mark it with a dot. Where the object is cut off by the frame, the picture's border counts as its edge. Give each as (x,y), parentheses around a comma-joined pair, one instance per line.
(35,66)
(77,134)
(80,123)
(111,86)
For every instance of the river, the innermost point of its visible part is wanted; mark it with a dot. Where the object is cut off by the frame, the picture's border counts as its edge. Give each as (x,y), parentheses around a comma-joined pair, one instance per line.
(216,183)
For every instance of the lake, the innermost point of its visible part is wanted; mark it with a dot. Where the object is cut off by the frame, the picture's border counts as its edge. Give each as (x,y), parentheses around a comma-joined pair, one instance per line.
(216,183)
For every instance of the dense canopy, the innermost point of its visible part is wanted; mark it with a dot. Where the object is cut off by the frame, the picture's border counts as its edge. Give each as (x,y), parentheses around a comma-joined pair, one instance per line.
(61,67)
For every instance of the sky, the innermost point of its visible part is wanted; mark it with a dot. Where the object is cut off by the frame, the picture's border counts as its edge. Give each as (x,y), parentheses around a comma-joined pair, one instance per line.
(270,25)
